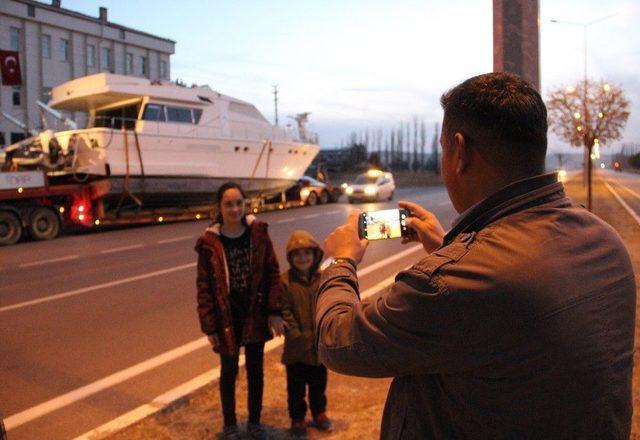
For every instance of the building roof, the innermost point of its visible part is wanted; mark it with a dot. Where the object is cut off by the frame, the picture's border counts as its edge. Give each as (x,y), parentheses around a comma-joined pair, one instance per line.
(75,14)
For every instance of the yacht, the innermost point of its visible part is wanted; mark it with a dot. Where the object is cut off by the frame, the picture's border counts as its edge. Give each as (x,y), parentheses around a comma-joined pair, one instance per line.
(164,143)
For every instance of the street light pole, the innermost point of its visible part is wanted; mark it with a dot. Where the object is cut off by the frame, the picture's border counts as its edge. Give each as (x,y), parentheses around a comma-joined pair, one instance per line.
(587,137)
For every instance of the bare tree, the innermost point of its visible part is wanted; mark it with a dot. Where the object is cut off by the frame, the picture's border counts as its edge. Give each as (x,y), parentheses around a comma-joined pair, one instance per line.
(589,114)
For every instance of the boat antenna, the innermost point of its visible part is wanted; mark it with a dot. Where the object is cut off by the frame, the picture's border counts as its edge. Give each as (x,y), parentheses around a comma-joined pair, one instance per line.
(275,101)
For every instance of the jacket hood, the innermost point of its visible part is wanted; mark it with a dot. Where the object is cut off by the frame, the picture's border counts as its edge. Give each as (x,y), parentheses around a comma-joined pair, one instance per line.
(212,233)
(304,240)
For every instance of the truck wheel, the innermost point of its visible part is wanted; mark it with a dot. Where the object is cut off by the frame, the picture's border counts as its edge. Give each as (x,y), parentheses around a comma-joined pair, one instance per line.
(10,228)
(312,199)
(44,224)
(324,197)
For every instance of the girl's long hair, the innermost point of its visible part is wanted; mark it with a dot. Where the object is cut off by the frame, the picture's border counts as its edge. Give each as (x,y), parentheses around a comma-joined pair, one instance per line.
(224,188)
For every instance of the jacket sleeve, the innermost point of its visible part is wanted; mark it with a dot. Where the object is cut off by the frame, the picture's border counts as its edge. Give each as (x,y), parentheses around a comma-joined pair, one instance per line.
(272,280)
(205,284)
(288,315)
(413,328)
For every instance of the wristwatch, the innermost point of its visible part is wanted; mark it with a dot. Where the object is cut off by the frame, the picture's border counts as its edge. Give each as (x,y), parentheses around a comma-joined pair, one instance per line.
(339,260)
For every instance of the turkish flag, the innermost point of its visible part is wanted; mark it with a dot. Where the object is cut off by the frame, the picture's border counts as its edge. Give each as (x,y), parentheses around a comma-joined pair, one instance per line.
(10,67)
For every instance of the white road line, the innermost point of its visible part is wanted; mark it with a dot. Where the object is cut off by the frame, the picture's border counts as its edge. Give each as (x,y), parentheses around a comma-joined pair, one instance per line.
(631,212)
(447,203)
(630,191)
(311,216)
(63,400)
(286,220)
(95,287)
(382,263)
(51,260)
(189,387)
(335,211)
(120,249)
(172,240)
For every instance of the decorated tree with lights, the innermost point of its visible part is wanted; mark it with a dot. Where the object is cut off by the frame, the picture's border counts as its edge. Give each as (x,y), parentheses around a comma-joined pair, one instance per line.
(590,115)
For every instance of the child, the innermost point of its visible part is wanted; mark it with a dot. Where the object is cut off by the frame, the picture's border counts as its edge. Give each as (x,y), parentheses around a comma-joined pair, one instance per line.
(299,284)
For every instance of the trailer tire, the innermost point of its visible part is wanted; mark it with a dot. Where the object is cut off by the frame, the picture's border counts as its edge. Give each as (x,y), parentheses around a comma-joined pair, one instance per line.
(10,228)
(44,224)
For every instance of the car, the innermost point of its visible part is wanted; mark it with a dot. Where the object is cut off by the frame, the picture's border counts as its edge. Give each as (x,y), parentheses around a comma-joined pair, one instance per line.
(312,192)
(373,185)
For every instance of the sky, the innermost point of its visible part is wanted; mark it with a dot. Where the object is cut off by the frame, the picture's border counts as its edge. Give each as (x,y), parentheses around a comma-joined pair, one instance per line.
(369,64)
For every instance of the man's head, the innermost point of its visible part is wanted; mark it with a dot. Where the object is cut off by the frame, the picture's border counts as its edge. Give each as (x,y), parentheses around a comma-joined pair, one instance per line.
(494,132)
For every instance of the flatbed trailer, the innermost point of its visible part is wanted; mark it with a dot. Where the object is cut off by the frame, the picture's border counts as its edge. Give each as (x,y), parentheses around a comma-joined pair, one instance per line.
(34,205)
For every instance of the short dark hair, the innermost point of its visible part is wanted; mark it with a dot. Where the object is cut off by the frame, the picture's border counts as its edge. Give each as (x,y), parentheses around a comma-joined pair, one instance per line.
(220,194)
(502,116)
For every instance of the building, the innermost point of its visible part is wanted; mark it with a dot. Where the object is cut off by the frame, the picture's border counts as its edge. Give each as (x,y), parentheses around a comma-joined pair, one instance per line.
(56,45)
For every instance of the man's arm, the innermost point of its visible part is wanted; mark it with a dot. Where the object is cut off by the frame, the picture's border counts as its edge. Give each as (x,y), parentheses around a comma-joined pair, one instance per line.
(413,328)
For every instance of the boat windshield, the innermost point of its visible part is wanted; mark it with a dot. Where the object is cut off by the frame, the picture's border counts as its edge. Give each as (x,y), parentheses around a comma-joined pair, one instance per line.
(117,117)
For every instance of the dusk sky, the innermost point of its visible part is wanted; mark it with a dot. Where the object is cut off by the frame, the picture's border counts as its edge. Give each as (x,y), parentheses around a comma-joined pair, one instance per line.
(361,64)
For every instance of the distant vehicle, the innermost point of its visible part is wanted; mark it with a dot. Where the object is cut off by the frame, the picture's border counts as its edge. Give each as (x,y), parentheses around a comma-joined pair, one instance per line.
(311,192)
(373,185)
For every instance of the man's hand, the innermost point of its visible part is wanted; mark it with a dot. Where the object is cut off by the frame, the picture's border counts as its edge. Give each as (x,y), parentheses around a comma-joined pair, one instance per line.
(277,325)
(344,242)
(425,227)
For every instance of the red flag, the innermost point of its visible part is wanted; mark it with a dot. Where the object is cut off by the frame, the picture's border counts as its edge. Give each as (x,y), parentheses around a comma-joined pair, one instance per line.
(10,67)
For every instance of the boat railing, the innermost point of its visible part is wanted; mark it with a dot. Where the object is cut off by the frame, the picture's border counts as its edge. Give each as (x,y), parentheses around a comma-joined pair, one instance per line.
(236,129)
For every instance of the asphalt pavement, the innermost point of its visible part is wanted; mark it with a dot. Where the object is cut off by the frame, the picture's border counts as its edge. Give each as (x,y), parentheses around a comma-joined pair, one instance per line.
(94,325)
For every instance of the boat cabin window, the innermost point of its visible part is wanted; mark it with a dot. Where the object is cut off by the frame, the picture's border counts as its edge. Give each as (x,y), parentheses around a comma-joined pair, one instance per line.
(153,112)
(162,113)
(179,114)
(117,117)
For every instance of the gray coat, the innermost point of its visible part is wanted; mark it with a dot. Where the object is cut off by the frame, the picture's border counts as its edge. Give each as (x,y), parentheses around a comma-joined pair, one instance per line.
(520,326)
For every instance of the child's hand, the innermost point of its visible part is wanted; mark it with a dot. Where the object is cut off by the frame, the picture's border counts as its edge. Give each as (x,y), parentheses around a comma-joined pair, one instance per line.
(277,325)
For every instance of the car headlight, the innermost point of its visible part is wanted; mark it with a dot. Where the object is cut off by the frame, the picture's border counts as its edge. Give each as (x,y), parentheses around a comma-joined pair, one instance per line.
(370,190)
(348,191)
(304,192)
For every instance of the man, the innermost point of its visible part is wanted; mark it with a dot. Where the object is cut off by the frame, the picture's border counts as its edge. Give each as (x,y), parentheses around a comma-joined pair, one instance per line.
(519,322)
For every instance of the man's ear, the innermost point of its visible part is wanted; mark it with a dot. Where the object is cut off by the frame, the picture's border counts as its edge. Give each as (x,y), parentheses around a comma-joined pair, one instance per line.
(463,153)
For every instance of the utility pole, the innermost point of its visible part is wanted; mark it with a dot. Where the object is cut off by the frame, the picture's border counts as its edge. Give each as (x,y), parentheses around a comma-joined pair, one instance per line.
(275,101)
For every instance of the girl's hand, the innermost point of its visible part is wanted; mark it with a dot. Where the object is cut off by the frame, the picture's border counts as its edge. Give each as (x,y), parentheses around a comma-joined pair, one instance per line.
(277,325)
(214,341)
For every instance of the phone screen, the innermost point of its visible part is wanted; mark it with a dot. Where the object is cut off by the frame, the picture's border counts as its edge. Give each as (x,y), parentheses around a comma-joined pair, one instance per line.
(380,225)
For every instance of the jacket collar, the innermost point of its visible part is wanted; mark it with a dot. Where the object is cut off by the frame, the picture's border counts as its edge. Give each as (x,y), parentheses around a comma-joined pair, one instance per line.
(516,197)
(215,228)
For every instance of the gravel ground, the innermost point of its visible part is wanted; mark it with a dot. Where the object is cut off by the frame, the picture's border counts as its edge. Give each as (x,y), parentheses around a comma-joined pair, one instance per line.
(355,404)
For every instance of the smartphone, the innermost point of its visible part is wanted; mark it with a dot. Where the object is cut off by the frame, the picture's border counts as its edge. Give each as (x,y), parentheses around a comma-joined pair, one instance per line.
(380,225)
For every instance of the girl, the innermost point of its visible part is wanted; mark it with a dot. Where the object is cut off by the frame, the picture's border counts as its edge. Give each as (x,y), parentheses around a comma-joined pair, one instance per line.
(238,301)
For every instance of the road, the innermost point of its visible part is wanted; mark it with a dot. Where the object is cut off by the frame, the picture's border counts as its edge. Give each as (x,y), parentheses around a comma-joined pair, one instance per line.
(97,324)
(626,188)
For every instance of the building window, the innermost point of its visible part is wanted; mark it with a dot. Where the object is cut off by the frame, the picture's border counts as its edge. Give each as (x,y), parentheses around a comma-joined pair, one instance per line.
(31,10)
(91,55)
(46,46)
(106,59)
(45,96)
(122,34)
(163,70)
(129,64)
(14,38)
(144,66)
(64,49)
(15,96)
